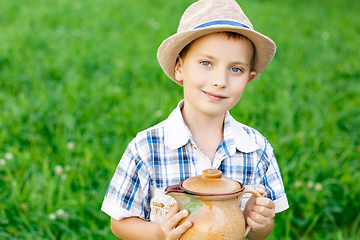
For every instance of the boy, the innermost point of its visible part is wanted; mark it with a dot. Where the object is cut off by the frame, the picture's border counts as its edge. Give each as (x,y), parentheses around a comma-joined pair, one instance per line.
(214,54)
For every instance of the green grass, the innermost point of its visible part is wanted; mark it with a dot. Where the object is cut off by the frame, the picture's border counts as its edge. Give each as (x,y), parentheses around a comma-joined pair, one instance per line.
(86,73)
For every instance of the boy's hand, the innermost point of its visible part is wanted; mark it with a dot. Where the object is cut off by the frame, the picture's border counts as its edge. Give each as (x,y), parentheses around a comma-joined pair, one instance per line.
(169,229)
(259,211)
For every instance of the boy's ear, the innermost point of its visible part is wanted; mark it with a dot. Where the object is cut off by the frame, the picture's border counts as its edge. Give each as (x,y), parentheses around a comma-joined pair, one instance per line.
(252,75)
(178,69)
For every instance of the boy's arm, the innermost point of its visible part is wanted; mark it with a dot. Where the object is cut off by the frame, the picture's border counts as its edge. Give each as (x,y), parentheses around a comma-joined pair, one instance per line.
(133,228)
(137,228)
(259,214)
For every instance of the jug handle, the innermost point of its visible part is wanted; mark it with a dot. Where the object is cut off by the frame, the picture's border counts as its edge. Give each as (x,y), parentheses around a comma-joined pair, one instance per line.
(249,189)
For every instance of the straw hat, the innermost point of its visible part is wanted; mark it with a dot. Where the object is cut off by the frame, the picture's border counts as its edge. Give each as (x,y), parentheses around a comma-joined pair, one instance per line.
(210,16)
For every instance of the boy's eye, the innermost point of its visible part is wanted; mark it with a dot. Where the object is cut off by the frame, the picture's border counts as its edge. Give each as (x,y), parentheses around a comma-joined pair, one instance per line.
(236,70)
(206,63)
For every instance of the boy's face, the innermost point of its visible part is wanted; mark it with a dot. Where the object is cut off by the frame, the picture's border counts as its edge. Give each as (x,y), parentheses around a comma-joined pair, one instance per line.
(214,72)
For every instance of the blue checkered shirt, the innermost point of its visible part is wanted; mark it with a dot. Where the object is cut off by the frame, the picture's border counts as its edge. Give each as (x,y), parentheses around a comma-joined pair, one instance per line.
(166,154)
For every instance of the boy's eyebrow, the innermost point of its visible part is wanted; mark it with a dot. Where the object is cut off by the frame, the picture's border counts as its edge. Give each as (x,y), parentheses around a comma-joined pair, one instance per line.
(241,63)
(214,58)
(206,55)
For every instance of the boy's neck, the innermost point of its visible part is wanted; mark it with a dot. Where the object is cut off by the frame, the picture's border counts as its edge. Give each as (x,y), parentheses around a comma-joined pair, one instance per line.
(206,130)
(206,124)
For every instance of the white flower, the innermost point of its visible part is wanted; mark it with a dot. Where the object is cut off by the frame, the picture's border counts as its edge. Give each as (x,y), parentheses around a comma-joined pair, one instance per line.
(318,187)
(285,71)
(58,170)
(2,162)
(52,216)
(119,62)
(325,35)
(77,6)
(60,213)
(310,184)
(298,184)
(76,32)
(9,156)
(67,168)
(153,23)
(116,89)
(24,207)
(70,145)
(158,113)
(60,31)
(300,135)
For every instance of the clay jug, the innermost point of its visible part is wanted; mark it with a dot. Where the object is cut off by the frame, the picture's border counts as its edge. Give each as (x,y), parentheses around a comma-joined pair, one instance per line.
(213,202)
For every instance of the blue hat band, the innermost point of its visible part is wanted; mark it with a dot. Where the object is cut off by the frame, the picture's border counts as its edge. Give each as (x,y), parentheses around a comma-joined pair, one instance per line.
(221,22)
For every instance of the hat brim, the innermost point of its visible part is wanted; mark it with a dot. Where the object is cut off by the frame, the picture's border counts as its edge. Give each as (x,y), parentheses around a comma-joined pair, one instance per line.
(171,47)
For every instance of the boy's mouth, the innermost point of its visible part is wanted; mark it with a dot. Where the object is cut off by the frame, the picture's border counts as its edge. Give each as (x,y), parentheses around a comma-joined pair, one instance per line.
(214,96)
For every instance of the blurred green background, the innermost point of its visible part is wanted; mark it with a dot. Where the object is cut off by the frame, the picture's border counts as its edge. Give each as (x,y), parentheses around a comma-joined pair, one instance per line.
(78,80)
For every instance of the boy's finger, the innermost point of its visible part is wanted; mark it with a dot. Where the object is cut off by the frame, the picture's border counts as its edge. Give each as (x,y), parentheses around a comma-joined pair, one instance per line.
(264,211)
(180,230)
(265,202)
(253,224)
(261,189)
(172,212)
(174,220)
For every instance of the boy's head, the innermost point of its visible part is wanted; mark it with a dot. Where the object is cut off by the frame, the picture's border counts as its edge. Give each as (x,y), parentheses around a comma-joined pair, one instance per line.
(213,16)
(214,71)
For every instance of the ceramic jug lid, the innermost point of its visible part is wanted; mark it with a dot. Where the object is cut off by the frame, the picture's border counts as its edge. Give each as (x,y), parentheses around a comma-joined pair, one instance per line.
(211,182)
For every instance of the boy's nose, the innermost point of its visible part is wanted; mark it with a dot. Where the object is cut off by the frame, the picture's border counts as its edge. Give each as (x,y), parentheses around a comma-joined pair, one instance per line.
(220,80)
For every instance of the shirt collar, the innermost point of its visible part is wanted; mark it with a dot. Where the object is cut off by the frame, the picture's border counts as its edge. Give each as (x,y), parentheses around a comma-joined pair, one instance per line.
(243,142)
(177,134)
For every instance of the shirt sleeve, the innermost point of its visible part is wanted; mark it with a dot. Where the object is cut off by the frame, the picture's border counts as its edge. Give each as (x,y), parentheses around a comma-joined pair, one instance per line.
(270,176)
(128,194)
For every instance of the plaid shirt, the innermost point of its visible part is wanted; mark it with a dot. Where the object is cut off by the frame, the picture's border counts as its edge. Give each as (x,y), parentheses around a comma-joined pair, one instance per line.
(166,154)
